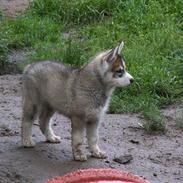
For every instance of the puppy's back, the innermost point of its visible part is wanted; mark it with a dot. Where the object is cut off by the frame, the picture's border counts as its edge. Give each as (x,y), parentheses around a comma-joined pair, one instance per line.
(46,81)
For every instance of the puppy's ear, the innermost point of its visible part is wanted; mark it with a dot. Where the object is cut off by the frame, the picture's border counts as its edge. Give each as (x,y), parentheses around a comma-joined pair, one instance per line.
(120,47)
(111,56)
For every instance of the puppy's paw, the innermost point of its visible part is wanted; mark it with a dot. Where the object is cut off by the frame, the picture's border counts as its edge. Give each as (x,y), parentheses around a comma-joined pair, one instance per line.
(80,157)
(53,139)
(28,143)
(99,154)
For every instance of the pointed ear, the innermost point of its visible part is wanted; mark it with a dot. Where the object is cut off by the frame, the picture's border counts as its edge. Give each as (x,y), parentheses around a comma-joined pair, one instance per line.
(120,47)
(112,54)
(117,49)
(108,57)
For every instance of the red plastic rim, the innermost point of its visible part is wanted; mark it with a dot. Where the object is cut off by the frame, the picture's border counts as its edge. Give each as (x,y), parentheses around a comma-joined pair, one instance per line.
(98,176)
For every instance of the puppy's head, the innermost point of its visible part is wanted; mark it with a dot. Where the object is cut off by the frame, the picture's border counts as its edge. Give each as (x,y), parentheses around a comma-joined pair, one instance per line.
(115,72)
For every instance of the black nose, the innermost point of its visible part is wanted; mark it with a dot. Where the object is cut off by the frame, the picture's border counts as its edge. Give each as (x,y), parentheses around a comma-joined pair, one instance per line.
(131,80)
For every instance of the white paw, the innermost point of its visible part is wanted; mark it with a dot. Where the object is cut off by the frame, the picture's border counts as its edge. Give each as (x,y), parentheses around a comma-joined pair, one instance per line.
(99,154)
(80,157)
(28,143)
(53,139)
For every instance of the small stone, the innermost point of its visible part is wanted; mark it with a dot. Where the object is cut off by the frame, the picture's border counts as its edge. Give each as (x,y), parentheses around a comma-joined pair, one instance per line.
(154,174)
(169,154)
(134,141)
(107,161)
(104,139)
(123,159)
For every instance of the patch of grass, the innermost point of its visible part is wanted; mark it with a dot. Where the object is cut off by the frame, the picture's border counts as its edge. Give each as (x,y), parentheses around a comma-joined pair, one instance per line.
(3,50)
(179,121)
(27,31)
(3,57)
(154,120)
(69,51)
(5,66)
(152,31)
(1,15)
(73,12)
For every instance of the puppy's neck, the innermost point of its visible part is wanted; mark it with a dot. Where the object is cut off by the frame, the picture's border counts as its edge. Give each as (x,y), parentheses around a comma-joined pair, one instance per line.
(92,77)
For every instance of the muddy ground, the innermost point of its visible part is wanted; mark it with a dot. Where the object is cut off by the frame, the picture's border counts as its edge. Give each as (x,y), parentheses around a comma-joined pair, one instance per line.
(159,158)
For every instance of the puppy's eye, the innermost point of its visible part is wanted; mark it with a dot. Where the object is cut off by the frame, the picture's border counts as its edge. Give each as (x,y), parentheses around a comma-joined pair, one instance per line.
(119,72)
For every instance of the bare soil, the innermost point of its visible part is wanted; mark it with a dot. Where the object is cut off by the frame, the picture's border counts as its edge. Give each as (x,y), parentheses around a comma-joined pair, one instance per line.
(13,7)
(159,158)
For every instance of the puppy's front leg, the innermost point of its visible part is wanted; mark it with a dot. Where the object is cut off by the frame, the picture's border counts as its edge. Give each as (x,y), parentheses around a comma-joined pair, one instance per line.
(92,136)
(78,127)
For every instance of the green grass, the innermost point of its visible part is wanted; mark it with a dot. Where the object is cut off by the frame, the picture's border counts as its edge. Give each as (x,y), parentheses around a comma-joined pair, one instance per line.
(73,31)
(69,12)
(3,57)
(155,121)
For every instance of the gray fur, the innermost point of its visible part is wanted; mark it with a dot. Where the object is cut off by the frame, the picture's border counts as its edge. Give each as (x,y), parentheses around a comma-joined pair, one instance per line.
(82,94)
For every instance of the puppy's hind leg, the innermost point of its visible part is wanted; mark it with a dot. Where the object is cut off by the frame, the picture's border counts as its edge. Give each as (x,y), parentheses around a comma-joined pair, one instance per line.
(46,113)
(29,114)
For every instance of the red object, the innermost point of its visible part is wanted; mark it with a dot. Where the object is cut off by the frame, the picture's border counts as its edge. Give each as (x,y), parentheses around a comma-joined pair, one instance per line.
(98,176)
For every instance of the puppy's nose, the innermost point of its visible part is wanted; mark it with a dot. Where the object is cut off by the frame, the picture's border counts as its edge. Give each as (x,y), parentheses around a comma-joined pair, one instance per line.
(131,80)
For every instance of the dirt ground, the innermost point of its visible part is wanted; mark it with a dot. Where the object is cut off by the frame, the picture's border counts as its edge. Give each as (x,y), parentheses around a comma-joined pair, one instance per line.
(12,7)
(159,158)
